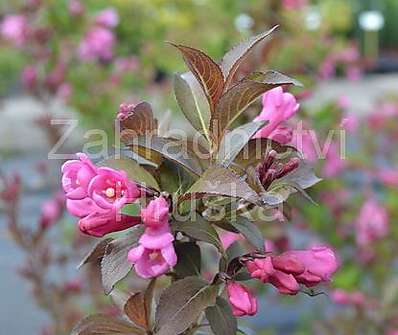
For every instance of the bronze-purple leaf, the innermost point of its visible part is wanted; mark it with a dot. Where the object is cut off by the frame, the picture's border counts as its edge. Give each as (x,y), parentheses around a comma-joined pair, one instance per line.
(218,180)
(233,58)
(105,324)
(95,255)
(139,121)
(136,311)
(207,72)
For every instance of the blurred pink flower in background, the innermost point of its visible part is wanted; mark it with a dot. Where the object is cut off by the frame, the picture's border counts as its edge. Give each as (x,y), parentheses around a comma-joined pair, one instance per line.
(51,211)
(97,44)
(371,223)
(242,301)
(14,28)
(277,108)
(75,7)
(29,77)
(334,163)
(108,17)
(126,64)
(388,176)
(294,4)
(64,91)
(56,76)
(343,297)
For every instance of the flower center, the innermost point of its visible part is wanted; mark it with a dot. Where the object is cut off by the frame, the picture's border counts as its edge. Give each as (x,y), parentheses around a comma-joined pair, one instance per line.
(154,255)
(110,192)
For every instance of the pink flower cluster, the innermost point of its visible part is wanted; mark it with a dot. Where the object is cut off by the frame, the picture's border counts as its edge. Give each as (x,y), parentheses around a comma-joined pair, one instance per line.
(294,4)
(97,194)
(349,57)
(343,297)
(14,28)
(289,269)
(371,223)
(155,254)
(98,43)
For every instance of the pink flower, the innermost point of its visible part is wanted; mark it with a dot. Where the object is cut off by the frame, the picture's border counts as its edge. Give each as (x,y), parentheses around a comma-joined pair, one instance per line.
(101,222)
(277,107)
(286,271)
(76,176)
(111,189)
(75,7)
(282,135)
(353,72)
(51,211)
(150,263)
(14,28)
(56,77)
(156,214)
(96,196)
(327,68)
(388,177)
(29,77)
(350,122)
(342,297)
(155,254)
(334,164)
(108,18)
(243,302)
(294,4)
(372,222)
(97,44)
(303,140)
(126,64)
(64,91)
(227,238)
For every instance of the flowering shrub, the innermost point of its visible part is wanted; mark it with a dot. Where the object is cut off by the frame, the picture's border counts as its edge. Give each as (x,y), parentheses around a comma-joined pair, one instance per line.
(231,177)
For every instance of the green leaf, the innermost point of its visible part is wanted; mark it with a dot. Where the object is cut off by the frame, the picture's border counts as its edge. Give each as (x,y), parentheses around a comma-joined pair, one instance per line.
(233,142)
(189,259)
(250,231)
(96,254)
(181,304)
(233,102)
(221,319)
(200,230)
(192,101)
(221,181)
(100,324)
(233,58)
(179,151)
(134,171)
(114,264)
(206,71)
(131,209)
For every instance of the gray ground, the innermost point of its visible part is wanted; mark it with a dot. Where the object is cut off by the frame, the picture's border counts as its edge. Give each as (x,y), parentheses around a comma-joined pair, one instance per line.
(18,314)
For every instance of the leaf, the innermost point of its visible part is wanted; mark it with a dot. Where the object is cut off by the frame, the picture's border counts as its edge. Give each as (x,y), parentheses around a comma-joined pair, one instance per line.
(96,254)
(220,181)
(233,102)
(233,58)
(100,324)
(250,231)
(192,101)
(148,299)
(135,310)
(134,171)
(273,77)
(199,229)
(256,149)
(181,304)
(233,142)
(189,259)
(178,151)
(114,264)
(253,180)
(221,319)
(131,209)
(206,71)
(140,121)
